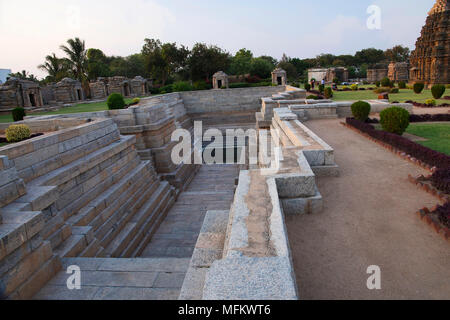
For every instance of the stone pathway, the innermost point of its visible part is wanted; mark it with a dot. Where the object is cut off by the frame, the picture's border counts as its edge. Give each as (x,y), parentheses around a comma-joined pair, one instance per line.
(369,219)
(212,189)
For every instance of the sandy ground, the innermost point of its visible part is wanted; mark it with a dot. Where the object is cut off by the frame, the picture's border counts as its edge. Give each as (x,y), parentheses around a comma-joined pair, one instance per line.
(369,219)
(417,110)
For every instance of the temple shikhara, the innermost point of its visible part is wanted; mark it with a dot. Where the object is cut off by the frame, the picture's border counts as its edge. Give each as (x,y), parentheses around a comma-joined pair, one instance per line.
(430,59)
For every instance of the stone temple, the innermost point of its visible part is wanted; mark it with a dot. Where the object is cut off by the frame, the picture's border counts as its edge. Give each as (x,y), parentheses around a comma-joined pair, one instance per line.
(430,60)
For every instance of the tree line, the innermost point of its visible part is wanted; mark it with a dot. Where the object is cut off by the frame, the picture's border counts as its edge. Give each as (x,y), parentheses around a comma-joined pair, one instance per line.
(169,62)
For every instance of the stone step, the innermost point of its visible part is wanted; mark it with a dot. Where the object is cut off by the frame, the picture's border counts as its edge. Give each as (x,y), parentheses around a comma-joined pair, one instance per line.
(112,227)
(17,275)
(37,198)
(17,228)
(110,192)
(37,280)
(72,247)
(91,250)
(148,229)
(73,201)
(129,232)
(60,235)
(74,168)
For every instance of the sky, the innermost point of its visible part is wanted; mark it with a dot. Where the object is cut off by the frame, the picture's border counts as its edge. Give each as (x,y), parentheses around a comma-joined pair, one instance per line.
(30,29)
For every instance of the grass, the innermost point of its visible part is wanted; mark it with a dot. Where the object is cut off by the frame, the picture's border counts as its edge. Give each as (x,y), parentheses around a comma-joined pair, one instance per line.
(3,144)
(79,108)
(402,96)
(437,134)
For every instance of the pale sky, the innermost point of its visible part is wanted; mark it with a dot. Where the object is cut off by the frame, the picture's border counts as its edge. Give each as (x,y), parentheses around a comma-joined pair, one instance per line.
(30,29)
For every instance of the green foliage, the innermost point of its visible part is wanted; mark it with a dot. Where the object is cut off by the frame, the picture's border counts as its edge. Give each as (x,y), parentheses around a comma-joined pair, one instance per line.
(418,87)
(394,90)
(321,88)
(18,114)
(17,133)
(402,85)
(394,120)
(135,101)
(378,84)
(201,85)
(261,67)
(438,91)
(430,102)
(115,101)
(328,93)
(182,86)
(398,54)
(336,80)
(361,110)
(354,87)
(383,90)
(385,82)
(307,86)
(312,97)
(206,60)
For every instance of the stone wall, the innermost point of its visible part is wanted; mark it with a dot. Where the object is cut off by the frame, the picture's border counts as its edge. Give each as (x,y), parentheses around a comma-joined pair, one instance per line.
(398,71)
(374,75)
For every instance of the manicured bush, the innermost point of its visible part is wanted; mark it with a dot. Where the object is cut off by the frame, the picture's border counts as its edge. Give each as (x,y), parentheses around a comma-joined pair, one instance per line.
(394,90)
(307,86)
(402,85)
(182,86)
(115,101)
(135,101)
(361,110)
(17,133)
(202,85)
(385,82)
(336,80)
(430,102)
(328,93)
(378,83)
(321,88)
(418,87)
(18,114)
(312,97)
(422,153)
(438,91)
(382,90)
(394,120)
(354,87)
(346,88)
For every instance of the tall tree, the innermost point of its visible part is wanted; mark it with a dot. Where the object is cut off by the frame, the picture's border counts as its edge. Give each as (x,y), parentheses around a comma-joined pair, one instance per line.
(55,67)
(76,58)
(24,75)
(398,54)
(241,62)
(206,60)
(97,64)
(370,56)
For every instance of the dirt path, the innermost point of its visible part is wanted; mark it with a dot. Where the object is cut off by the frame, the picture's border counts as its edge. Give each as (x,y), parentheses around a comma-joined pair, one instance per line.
(369,219)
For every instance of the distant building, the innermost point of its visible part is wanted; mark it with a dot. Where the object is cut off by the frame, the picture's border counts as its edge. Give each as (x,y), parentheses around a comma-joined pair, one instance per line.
(328,74)
(4,73)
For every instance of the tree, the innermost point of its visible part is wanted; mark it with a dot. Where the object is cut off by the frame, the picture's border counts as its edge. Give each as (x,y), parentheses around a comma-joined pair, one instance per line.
(24,75)
(261,68)
(77,58)
(398,54)
(241,63)
(302,65)
(56,68)
(98,64)
(206,60)
(369,56)
(325,60)
(270,59)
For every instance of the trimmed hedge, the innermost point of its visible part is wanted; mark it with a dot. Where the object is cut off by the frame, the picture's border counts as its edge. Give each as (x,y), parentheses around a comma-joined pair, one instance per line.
(328,93)
(361,110)
(441,180)
(438,91)
(394,120)
(418,87)
(18,114)
(424,154)
(443,212)
(385,82)
(115,101)
(429,117)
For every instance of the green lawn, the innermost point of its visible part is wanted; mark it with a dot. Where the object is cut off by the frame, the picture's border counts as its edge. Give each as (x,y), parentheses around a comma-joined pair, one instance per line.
(83,107)
(3,144)
(404,95)
(438,135)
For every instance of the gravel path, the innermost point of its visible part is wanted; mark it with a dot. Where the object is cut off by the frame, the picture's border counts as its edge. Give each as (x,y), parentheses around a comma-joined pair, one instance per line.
(369,219)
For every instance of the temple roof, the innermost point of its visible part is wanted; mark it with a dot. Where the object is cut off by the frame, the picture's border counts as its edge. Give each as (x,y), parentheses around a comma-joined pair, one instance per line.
(440,6)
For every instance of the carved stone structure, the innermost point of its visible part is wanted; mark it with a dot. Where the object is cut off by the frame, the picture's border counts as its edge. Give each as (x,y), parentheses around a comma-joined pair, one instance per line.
(328,75)
(279,77)
(103,87)
(220,80)
(19,93)
(398,71)
(68,91)
(430,60)
(374,75)
(139,86)
(98,89)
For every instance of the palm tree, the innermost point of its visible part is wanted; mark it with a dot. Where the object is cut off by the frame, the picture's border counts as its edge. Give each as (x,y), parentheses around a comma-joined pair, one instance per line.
(55,67)
(77,58)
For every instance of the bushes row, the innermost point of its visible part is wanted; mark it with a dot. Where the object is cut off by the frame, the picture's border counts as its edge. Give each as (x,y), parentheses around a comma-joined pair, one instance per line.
(443,213)
(394,120)
(441,180)
(429,117)
(17,133)
(424,154)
